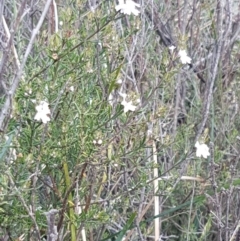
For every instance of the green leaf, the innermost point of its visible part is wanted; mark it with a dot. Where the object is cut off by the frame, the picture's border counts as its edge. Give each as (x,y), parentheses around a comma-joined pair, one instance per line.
(127,226)
(6,146)
(198,199)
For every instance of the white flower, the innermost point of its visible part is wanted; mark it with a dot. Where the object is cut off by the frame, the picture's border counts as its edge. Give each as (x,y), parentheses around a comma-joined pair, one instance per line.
(183,57)
(149,132)
(110,99)
(202,150)
(128,7)
(171,48)
(119,82)
(123,95)
(43,112)
(71,88)
(128,106)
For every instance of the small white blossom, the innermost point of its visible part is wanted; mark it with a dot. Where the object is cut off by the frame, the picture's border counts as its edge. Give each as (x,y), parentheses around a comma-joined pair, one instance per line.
(119,82)
(202,150)
(123,95)
(29,92)
(100,142)
(171,48)
(43,112)
(128,7)
(110,99)
(128,106)
(183,57)
(71,88)
(149,132)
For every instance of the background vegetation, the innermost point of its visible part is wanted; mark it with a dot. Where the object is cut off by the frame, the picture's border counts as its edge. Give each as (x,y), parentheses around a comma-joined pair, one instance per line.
(94,172)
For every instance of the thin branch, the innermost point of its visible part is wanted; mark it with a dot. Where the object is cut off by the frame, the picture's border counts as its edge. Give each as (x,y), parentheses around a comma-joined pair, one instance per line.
(8,102)
(9,36)
(52,233)
(55,16)
(29,211)
(156,197)
(236,231)
(217,57)
(7,50)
